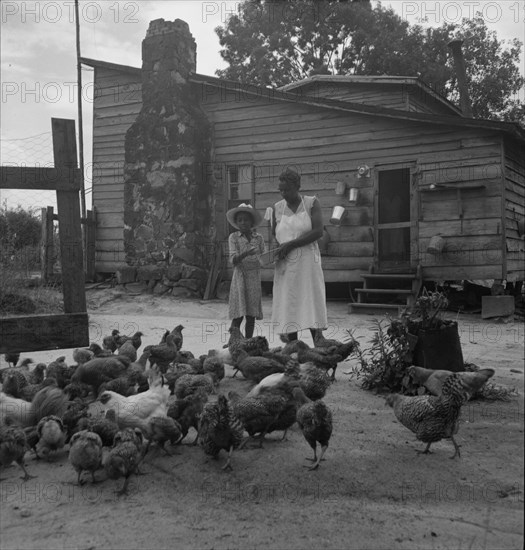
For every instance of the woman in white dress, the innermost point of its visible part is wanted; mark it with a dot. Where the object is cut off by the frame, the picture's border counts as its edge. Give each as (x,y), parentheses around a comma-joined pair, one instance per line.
(299,298)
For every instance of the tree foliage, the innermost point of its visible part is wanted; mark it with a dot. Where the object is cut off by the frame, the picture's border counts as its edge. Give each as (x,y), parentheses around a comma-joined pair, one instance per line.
(19,228)
(276,42)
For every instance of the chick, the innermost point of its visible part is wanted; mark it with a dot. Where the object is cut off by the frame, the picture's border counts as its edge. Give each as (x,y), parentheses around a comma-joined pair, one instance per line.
(187,412)
(85,453)
(52,435)
(163,429)
(315,420)
(125,456)
(13,446)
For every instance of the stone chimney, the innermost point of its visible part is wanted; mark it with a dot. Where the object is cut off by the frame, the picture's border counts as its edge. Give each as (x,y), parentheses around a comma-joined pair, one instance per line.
(461,74)
(168,202)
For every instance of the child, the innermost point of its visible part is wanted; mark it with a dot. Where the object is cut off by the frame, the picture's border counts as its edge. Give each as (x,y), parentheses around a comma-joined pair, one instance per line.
(245,245)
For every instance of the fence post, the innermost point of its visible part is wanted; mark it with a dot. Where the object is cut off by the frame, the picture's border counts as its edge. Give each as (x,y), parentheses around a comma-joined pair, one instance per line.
(47,245)
(90,231)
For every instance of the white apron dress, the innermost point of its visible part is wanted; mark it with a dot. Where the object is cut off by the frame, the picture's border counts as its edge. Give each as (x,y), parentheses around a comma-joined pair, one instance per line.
(299,299)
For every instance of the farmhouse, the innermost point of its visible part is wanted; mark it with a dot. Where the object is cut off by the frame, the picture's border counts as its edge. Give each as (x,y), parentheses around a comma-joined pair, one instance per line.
(421,188)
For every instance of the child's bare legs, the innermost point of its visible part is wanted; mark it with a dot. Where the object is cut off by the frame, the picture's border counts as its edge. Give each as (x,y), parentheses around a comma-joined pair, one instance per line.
(249,326)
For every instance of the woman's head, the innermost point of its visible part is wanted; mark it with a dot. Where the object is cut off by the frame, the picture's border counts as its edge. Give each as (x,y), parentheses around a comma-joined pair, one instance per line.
(289,184)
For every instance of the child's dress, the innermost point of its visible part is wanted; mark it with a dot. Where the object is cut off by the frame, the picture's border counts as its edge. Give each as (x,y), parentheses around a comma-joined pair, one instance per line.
(245,289)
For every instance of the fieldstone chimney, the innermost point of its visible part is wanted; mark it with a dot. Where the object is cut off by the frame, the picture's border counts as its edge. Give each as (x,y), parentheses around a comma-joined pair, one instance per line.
(168,202)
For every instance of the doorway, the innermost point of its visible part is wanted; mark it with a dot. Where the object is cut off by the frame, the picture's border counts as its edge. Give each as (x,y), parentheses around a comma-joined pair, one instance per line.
(393,228)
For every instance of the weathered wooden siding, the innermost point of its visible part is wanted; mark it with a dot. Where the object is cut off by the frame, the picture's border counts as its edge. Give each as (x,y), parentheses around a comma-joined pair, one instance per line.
(514,155)
(329,146)
(118,100)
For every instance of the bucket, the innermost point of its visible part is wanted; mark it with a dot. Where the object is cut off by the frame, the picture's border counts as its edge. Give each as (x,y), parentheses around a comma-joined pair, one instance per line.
(337,215)
(340,188)
(439,348)
(436,244)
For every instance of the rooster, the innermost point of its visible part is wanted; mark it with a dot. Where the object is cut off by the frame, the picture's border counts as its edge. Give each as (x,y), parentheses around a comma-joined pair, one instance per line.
(219,429)
(85,453)
(430,417)
(51,435)
(125,456)
(315,420)
(13,446)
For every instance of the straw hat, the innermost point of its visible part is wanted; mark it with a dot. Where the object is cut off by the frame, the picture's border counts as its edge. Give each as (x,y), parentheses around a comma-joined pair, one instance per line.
(230,215)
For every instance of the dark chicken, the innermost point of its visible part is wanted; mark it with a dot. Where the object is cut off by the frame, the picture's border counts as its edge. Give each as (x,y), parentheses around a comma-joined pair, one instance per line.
(220,429)
(315,420)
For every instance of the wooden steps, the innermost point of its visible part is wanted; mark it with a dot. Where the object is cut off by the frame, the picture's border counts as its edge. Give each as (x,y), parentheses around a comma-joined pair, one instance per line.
(393,290)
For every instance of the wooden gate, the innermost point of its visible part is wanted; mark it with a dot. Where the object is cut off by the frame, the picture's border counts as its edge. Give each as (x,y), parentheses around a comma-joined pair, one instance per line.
(71,329)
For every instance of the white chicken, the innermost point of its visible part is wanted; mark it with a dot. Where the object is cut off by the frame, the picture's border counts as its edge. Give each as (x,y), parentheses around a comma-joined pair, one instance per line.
(136,411)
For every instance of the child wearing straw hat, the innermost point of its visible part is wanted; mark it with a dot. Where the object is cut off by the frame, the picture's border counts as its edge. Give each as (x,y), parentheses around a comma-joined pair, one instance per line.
(245,246)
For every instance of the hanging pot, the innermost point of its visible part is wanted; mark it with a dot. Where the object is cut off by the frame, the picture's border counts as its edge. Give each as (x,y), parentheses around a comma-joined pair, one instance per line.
(338,214)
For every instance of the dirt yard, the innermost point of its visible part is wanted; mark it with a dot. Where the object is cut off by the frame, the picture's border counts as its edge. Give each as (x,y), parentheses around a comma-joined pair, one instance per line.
(373,491)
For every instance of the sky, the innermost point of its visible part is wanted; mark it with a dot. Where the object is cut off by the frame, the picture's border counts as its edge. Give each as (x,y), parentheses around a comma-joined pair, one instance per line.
(39,73)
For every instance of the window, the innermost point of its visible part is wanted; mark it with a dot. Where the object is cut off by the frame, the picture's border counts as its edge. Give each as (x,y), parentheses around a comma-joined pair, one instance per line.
(240,184)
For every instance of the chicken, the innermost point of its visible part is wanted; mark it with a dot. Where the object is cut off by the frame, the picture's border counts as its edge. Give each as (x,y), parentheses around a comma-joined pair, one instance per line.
(313,381)
(127,349)
(215,366)
(255,367)
(125,456)
(430,417)
(187,412)
(315,420)
(256,345)
(100,370)
(136,340)
(12,358)
(189,383)
(48,401)
(100,352)
(325,357)
(121,385)
(136,411)
(13,383)
(433,380)
(51,435)
(110,342)
(163,354)
(105,426)
(82,355)
(219,429)
(178,339)
(85,453)
(287,380)
(37,375)
(74,412)
(13,446)
(60,371)
(163,429)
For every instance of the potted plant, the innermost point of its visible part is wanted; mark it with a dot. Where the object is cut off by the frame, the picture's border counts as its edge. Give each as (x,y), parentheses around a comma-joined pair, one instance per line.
(434,340)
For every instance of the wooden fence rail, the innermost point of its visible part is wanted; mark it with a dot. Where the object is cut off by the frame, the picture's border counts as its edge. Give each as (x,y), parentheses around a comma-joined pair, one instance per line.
(43,332)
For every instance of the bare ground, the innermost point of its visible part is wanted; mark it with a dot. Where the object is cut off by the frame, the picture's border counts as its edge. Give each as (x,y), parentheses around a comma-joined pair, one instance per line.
(373,491)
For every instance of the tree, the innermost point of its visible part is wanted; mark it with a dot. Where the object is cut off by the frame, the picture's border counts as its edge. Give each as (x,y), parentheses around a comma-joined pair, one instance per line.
(19,228)
(276,42)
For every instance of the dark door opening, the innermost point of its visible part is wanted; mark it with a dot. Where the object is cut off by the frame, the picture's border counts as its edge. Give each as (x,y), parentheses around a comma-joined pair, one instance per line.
(393,220)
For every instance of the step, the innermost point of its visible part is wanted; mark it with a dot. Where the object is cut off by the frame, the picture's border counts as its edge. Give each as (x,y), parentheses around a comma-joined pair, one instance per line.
(388,276)
(376,309)
(383,291)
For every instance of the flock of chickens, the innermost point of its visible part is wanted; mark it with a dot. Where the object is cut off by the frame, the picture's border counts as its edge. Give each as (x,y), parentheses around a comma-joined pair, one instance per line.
(113,404)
